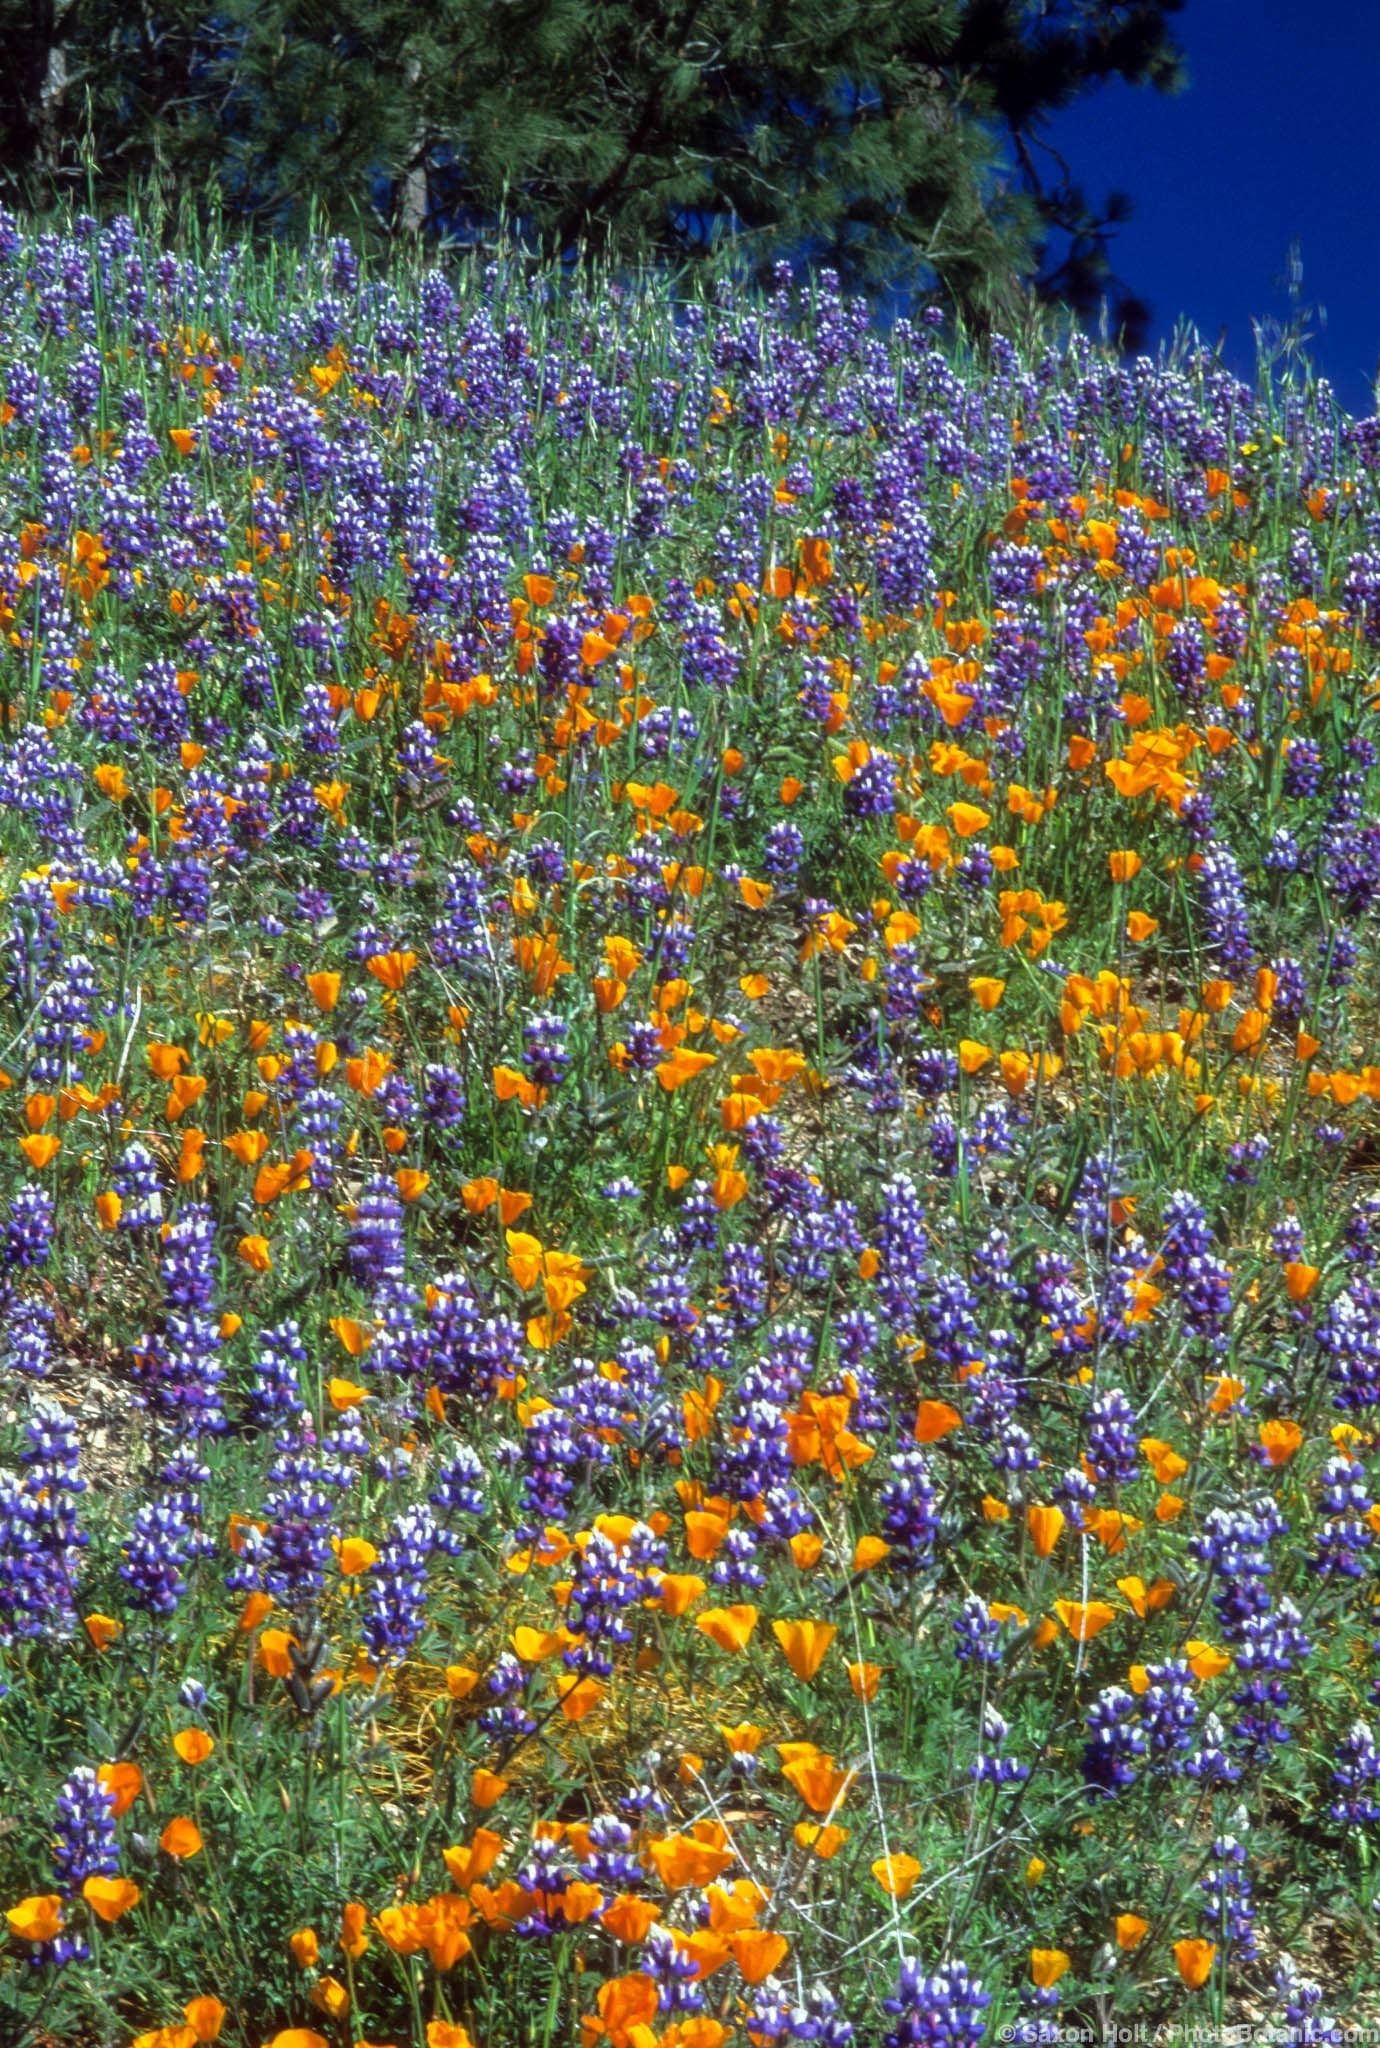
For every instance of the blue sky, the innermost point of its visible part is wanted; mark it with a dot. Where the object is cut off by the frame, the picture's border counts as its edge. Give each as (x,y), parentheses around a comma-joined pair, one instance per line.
(1275,142)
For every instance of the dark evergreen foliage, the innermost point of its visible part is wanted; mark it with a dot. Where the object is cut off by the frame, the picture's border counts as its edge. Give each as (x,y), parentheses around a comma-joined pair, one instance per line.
(900,140)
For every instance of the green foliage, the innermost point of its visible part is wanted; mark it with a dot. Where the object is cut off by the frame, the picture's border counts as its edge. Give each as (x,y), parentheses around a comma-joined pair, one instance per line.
(613,881)
(898,139)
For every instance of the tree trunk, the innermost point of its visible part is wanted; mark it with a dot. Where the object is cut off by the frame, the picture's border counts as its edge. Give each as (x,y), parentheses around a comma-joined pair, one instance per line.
(414,202)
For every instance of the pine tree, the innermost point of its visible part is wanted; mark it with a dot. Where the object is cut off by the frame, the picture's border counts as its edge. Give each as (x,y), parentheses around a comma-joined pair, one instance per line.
(900,140)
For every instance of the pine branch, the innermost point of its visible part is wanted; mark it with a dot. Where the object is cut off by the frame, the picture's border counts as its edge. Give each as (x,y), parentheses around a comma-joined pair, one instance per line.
(581,212)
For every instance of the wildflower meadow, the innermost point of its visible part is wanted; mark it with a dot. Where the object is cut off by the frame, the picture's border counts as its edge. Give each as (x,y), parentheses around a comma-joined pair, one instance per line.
(690,1315)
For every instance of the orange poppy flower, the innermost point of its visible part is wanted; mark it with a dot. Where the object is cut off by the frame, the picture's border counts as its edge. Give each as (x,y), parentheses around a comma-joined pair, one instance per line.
(468,1864)
(1131,1930)
(629,1917)
(730,1628)
(1205,1661)
(578,1696)
(933,1420)
(306,1949)
(329,1995)
(823,1841)
(165,1060)
(391,970)
(354,1918)
(864,1680)
(1084,1620)
(819,1783)
(1279,1439)
(191,1158)
(355,1556)
(1047,1966)
(896,1874)
(967,819)
(1164,1462)
(487,1788)
(345,1395)
(706,1948)
(124,1783)
(185,1090)
(205,2016)
(683,1862)
(1045,1525)
(805,1644)
(37,1918)
(1194,1958)
(193,1745)
(248,1147)
(757,1952)
(441,1924)
(678,1591)
(181,1838)
(626,2008)
(1300,1279)
(324,989)
(1016,1069)
(275,1645)
(682,1066)
(1146,1599)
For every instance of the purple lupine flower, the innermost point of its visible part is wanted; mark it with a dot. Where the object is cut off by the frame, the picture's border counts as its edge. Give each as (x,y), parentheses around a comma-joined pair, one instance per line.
(910,1519)
(1115,1742)
(276,1393)
(156,1553)
(41,1541)
(134,1178)
(977,1637)
(1235,1543)
(1168,1709)
(395,1613)
(1345,1535)
(1111,1444)
(28,1233)
(1356,1775)
(941,2010)
(1229,1912)
(990,1767)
